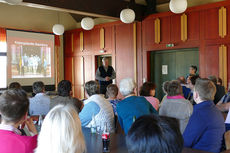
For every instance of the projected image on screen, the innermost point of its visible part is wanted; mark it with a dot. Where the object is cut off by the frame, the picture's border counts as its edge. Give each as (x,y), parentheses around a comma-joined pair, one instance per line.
(31,61)
(30,57)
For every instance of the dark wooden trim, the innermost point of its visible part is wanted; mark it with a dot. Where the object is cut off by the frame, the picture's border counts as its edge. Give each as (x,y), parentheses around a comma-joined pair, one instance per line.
(94,8)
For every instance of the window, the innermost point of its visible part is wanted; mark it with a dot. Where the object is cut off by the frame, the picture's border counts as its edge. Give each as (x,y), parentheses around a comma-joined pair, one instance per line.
(3,65)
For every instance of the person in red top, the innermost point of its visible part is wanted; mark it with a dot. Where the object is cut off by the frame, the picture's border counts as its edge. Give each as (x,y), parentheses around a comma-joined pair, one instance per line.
(14,106)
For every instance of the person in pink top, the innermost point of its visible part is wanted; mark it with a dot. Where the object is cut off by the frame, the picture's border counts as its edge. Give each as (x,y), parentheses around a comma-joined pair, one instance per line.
(148,91)
(14,106)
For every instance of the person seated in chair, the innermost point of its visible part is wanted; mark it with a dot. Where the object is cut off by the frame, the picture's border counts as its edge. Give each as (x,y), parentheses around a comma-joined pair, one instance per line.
(220,90)
(97,111)
(65,96)
(175,105)
(40,103)
(14,106)
(148,90)
(154,134)
(112,92)
(132,106)
(206,127)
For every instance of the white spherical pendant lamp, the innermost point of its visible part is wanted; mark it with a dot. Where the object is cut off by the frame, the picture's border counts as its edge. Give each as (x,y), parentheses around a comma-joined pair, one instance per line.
(58,29)
(178,6)
(13,2)
(87,23)
(127,16)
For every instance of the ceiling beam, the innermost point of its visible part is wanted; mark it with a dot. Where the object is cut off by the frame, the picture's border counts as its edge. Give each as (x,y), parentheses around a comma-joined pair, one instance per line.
(151,7)
(94,8)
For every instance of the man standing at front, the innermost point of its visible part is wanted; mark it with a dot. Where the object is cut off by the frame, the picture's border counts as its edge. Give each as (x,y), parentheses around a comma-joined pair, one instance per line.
(105,75)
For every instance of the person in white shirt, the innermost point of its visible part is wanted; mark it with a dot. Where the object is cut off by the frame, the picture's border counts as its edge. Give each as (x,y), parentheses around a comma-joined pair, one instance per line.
(39,104)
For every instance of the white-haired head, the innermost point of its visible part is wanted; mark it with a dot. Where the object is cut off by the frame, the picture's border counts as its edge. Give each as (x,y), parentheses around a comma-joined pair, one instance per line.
(61,132)
(127,86)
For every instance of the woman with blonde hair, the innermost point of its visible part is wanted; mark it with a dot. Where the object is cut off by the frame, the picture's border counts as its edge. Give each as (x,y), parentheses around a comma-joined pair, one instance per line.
(61,132)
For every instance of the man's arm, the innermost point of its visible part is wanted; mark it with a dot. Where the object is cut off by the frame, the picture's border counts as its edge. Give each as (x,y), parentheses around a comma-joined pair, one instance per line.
(223,107)
(113,76)
(87,112)
(98,76)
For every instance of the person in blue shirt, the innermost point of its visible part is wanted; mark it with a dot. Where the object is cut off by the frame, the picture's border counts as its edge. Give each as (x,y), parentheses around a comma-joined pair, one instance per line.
(97,111)
(40,103)
(131,106)
(206,127)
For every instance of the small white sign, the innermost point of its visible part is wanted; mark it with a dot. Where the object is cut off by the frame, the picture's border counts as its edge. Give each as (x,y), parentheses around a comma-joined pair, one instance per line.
(164,69)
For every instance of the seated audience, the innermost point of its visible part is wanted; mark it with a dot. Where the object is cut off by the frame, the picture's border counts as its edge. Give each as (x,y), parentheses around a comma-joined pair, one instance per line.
(148,91)
(14,106)
(191,81)
(112,92)
(40,103)
(219,81)
(227,120)
(192,71)
(15,85)
(131,106)
(205,128)
(176,106)
(65,96)
(165,90)
(61,132)
(97,107)
(186,90)
(224,104)
(153,134)
(220,90)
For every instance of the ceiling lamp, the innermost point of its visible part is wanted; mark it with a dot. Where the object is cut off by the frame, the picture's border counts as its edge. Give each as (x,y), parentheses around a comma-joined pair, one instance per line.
(178,6)
(87,23)
(127,16)
(13,2)
(58,29)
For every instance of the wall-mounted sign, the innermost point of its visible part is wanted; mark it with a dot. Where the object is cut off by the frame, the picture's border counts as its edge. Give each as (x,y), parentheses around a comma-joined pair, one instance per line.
(164,69)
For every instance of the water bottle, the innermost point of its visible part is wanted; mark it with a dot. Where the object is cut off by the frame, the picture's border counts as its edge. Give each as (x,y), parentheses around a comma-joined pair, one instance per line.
(106,139)
(40,120)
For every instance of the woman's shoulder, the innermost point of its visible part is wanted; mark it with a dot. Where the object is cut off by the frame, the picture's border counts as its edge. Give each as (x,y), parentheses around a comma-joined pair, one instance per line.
(150,98)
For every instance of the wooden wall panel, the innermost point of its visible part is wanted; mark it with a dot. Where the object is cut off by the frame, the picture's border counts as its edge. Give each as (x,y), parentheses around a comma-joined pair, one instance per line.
(228,21)
(95,39)
(212,60)
(124,51)
(228,62)
(109,37)
(77,91)
(68,43)
(78,69)
(211,23)
(78,76)
(76,42)
(68,68)
(148,32)
(165,29)
(88,41)
(175,30)
(193,25)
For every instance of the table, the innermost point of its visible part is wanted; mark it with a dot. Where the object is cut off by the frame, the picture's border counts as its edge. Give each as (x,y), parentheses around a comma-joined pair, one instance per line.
(117,143)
